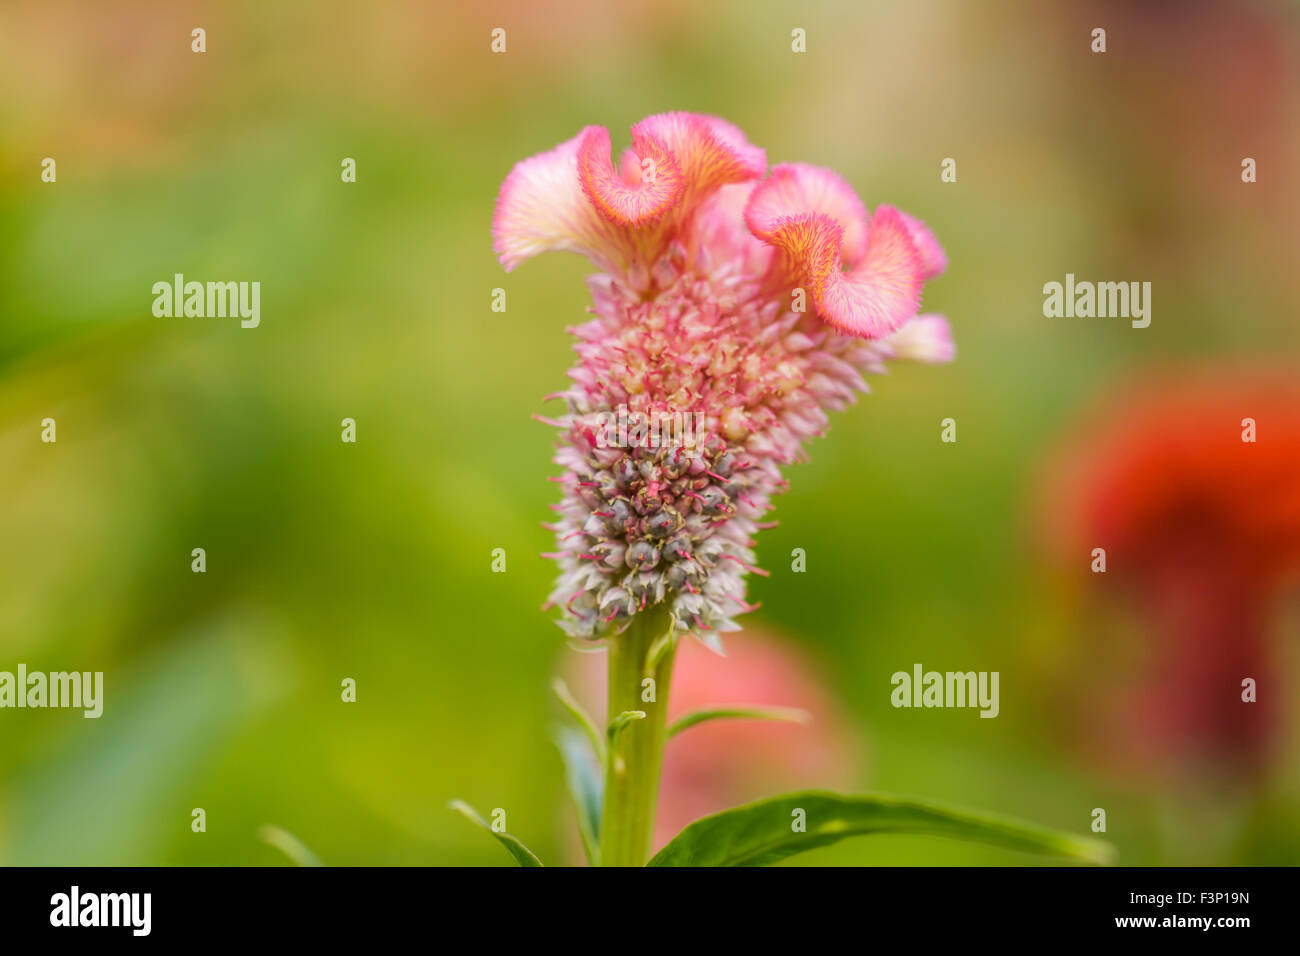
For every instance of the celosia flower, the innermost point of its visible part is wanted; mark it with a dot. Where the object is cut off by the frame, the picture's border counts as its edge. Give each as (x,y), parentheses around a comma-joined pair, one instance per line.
(752,305)
(1201,529)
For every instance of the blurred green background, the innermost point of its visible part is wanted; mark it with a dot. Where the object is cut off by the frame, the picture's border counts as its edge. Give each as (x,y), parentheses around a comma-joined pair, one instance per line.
(328,560)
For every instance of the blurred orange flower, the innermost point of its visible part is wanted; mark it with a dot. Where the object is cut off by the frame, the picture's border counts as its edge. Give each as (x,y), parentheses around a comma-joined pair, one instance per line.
(1192,488)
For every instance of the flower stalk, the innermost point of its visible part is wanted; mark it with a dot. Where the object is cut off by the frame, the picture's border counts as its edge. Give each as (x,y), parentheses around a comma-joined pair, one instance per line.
(640,669)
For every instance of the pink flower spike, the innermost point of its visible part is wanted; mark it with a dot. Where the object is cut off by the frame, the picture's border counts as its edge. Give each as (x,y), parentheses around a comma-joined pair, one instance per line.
(699,377)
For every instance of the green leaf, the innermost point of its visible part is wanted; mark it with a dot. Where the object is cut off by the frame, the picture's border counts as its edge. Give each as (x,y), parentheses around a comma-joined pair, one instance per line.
(761,833)
(586,786)
(289,845)
(580,714)
(689,720)
(523,856)
(667,642)
(619,723)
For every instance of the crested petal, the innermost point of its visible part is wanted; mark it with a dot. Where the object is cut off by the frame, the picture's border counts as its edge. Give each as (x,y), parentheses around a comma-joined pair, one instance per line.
(816,218)
(882,291)
(797,188)
(649,183)
(811,243)
(876,296)
(542,208)
(933,258)
(574,197)
(710,151)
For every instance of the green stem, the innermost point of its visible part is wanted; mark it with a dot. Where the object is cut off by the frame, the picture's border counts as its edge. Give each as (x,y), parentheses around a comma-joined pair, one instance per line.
(636,755)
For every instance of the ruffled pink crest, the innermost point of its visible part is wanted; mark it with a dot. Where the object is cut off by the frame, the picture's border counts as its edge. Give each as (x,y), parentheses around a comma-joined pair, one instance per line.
(883,290)
(573,198)
(711,151)
(873,298)
(933,258)
(542,208)
(817,220)
(812,244)
(796,189)
(649,182)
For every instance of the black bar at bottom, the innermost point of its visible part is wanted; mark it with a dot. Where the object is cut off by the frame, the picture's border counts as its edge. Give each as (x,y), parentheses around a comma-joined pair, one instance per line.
(581,907)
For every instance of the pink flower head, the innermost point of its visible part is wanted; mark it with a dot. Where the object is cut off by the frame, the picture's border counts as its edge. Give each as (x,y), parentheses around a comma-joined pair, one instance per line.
(731,313)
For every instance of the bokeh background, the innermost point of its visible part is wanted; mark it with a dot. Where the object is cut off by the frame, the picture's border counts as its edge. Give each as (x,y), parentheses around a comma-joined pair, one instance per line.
(372,561)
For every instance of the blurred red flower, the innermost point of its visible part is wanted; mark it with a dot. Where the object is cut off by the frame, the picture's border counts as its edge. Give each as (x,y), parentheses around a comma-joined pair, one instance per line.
(1201,530)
